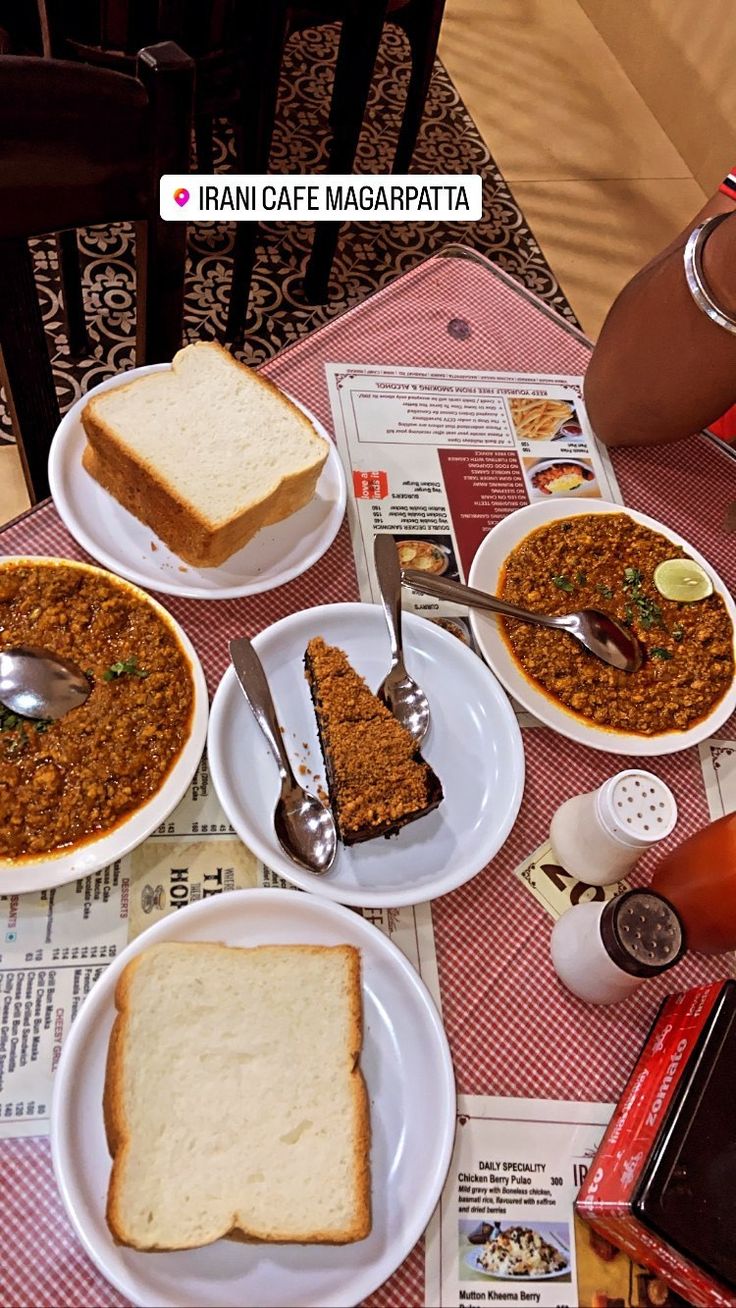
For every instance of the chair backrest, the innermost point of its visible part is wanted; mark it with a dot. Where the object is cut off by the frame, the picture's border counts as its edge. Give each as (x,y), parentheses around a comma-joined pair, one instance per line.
(111,31)
(81,146)
(84,145)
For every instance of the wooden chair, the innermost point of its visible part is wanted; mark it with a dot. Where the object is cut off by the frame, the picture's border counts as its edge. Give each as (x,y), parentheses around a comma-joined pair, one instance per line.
(109,34)
(82,146)
(362,26)
(238,48)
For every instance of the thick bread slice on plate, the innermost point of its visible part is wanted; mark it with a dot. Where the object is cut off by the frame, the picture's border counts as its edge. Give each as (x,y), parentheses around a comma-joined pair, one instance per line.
(206,453)
(233,1097)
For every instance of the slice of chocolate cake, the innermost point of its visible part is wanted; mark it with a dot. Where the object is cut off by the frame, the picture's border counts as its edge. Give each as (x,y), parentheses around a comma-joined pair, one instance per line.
(377,779)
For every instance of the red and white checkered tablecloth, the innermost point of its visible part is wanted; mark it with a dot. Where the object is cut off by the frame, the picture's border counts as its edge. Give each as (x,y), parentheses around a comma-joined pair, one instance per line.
(512,1030)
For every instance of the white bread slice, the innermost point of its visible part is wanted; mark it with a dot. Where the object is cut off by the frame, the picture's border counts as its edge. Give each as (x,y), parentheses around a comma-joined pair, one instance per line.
(233,1098)
(205,454)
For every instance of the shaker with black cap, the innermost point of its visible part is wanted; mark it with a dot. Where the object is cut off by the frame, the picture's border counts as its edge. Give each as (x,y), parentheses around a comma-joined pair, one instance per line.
(603,951)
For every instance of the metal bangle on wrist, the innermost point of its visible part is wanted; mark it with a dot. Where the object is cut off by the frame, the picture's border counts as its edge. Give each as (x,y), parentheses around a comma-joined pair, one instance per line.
(697,285)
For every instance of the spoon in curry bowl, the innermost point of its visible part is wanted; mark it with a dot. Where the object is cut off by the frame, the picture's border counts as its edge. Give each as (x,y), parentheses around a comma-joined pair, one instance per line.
(603,636)
(35,683)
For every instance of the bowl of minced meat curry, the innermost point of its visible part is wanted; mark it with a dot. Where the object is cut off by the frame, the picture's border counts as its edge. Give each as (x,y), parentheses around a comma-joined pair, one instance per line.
(81,791)
(558,558)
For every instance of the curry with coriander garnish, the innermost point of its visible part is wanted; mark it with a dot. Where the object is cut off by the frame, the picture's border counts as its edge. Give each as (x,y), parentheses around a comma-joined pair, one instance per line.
(607,561)
(66,782)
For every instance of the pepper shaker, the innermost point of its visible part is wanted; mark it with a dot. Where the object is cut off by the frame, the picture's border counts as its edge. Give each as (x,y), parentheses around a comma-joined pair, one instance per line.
(602,952)
(598,837)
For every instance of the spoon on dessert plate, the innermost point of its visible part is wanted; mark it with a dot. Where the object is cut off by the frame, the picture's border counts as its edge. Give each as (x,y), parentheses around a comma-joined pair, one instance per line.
(601,635)
(304,826)
(36,683)
(398,691)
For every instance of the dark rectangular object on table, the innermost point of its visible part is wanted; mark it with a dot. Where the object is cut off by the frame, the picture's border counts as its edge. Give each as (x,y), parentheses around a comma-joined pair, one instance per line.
(660,1186)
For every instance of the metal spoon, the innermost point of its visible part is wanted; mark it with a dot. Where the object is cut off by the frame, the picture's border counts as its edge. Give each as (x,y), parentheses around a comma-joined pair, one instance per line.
(35,683)
(399,692)
(305,828)
(608,639)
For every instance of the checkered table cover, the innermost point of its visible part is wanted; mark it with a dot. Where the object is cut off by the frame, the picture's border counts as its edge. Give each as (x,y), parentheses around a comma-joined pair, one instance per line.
(512,1029)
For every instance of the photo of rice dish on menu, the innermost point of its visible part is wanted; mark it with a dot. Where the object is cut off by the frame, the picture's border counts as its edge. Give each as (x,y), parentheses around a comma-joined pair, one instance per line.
(517,1252)
(521,1251)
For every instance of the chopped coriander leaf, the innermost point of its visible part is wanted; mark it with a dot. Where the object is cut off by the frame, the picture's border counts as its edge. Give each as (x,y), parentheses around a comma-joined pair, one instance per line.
(17,742)
(632,578)
(124,668)
(677,634)
(15,724)
(629,618)
(605,591)
(659,653)
(562,583)
(582,577)
(650,614)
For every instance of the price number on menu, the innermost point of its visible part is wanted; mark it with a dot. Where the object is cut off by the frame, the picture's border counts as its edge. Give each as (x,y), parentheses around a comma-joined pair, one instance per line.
(554,888)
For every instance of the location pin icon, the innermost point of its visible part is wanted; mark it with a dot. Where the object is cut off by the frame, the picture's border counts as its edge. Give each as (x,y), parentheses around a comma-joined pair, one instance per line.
(181,195)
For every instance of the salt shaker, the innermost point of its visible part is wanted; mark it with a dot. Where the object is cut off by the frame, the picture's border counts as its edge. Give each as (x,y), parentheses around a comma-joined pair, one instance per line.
(598,837)
(603,951)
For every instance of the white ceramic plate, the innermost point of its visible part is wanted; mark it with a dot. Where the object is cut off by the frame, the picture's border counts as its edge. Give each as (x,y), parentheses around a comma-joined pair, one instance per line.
(485,574)
(408,1071)
(474,745)
(114,537)
(19,876)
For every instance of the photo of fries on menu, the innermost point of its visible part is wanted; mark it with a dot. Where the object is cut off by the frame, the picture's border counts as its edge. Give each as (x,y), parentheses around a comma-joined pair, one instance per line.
(543,420)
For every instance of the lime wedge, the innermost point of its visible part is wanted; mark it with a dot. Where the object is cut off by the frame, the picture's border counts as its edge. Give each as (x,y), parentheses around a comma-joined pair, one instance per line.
(682,580)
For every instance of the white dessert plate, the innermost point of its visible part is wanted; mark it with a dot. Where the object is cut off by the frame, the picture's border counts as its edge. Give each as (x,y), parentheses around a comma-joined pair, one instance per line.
(486,573)
(18,876)
(474,745)
(113,536)
(408,1071)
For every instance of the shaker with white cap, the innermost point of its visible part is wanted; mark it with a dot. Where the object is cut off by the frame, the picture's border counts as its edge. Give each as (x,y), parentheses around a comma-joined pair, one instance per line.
(598,837)
(603,951)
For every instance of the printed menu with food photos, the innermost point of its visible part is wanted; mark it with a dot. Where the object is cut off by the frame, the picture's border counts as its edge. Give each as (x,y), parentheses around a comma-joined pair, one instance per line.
(54,944)
(505,1231)
(437,457)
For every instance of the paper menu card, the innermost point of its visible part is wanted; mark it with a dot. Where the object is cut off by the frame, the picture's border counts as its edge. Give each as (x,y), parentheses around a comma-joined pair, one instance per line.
(437,457)
(516,1167)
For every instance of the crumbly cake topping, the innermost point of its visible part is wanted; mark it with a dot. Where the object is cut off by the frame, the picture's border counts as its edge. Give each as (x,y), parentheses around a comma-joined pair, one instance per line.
(378,776)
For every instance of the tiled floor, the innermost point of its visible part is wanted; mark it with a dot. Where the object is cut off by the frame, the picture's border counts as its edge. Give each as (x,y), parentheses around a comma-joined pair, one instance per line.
(599,181)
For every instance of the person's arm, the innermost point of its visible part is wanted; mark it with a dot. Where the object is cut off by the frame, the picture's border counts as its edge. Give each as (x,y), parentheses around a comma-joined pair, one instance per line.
(661,369)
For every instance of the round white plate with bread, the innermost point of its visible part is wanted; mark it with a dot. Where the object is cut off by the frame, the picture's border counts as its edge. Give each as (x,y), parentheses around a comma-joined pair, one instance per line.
(473,746)
(406,1068)
(201,462)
